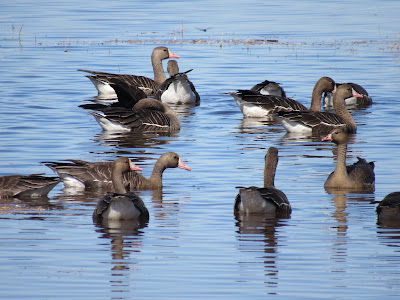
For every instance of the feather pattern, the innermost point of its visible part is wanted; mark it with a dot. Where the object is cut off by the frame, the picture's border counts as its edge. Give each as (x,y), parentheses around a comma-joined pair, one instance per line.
(253,104)
(101,80)
(26,186)
(322,122)
(95,175)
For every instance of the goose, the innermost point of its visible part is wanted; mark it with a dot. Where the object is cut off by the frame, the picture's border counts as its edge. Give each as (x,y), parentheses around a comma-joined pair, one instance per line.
(26,186)
(147,114)
(254,105)
(363,101)
(269,88)
(265,200)
(79,174)
(177,89)
(388,210)
(120,205)
(149,86)
(359,176)
(315,122)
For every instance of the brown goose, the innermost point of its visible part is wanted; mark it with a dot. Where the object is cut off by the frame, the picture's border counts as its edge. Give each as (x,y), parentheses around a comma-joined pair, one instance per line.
(147,114)
(172,67)
(149,86)
(388,210)
(26,186)
(363,101)
(359,176)
(252,104)
(80,174)
(315,122)
(265,200)
(120,205)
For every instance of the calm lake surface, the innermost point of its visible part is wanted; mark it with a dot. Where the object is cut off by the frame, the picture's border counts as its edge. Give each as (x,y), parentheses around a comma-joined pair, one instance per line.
(193,247)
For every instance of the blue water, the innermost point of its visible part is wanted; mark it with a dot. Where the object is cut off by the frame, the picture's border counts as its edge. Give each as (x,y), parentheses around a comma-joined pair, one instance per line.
(193,247)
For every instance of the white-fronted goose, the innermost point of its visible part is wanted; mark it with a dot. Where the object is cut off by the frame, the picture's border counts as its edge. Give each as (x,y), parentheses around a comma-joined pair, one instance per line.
(80,174)
(149,86)
(26,186)
(265,200)
(314,122)
(269,88)
(388,210)
(356,177)
(120,205)
(255,105)
(363,101)
(148,114)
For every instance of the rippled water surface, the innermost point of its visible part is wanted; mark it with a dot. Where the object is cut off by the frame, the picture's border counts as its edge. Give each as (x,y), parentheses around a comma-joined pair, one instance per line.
(193,247)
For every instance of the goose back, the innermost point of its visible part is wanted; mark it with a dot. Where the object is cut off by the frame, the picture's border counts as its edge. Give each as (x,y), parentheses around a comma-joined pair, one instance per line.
(388,210)
(26,186)
(269,88)
(147,85)
(147,115)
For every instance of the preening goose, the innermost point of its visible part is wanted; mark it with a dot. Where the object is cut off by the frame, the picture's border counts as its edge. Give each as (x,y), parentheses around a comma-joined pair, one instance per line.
(363,101)
(26,186)
(252,104)
(80,174)
(120,205)
(265,200)
(315,122)
(269,88)
(149,86)
(177,89)
(359,176)
(388,210)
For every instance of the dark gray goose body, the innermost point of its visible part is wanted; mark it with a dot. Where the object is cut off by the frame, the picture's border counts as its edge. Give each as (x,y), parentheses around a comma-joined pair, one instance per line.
(268,199)
(26,186)
(388,210)
(120,205)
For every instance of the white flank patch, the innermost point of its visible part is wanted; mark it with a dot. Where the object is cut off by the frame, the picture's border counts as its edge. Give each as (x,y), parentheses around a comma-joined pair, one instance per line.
(179,93)
(295,127)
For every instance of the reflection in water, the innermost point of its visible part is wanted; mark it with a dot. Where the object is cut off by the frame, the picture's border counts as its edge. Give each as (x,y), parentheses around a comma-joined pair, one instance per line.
(132,139)
(35,206)
(125,239)
(340,244)
(257,235)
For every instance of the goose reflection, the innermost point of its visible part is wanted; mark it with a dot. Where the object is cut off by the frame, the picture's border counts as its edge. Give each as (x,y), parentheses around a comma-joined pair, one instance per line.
(132,139)
(340,215)
(257,235)
(125,240)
